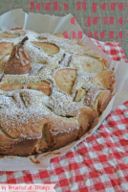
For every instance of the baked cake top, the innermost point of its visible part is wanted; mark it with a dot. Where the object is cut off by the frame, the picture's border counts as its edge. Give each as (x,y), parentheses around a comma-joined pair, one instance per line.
(49,80)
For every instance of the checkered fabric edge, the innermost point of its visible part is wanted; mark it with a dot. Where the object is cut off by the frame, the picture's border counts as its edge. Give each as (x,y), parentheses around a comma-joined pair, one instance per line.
(113,49)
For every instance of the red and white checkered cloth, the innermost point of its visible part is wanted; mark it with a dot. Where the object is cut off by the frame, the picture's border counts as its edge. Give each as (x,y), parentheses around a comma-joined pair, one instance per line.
(100,163)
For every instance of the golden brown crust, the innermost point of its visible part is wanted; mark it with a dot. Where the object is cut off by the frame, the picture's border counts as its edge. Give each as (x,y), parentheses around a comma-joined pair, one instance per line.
(87,63)
(5,48)
(80,94)
(65,79)
(12,33)
(102,101)
(61,131)
(86,118)
(8,35)
(10,82)
(5,51)
(49,48)
(57,132)
(105,79)
(43,86)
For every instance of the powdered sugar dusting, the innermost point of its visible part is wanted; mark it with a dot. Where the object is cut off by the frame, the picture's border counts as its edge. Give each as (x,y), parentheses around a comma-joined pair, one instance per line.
(91,97)
(13,108)
(18,107)
(84,80)
(62,104)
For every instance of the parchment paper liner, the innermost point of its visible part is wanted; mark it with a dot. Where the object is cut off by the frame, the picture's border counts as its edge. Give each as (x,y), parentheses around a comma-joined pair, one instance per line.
(53,24)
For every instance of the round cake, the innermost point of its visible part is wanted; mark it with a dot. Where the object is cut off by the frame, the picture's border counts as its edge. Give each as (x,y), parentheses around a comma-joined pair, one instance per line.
(52,91)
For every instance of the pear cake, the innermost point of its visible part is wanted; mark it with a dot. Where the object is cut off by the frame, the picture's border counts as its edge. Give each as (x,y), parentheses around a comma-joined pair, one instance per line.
(52,91)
